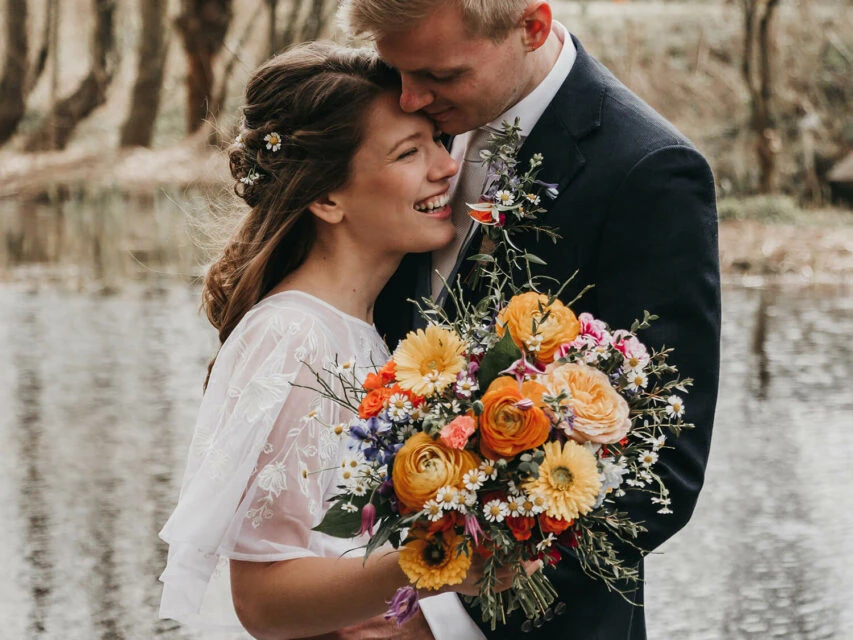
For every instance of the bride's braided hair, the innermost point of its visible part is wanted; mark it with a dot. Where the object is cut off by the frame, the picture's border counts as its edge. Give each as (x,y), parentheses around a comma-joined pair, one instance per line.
(312,100)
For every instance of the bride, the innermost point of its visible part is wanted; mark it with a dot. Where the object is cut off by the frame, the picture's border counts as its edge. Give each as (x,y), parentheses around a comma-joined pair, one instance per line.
(340,184)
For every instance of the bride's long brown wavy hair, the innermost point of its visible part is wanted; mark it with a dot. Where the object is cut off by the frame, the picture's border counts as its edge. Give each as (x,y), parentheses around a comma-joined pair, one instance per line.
(313,99)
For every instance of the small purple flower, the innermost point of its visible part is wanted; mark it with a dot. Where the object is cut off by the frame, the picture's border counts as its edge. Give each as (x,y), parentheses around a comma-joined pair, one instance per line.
(550,189)
(525,404)
(368,519)
(473,529)
(403,606)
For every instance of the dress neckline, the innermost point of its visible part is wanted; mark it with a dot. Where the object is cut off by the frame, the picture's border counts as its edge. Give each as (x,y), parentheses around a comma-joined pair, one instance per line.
(323,303)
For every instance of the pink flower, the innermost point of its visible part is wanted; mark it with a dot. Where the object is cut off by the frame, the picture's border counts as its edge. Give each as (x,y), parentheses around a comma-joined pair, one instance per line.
(455,434)
(473,529)
(590,326)
(635,352)
(368,519)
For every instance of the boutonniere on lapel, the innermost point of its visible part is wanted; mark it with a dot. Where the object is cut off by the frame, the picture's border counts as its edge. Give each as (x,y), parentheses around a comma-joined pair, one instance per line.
(511,204)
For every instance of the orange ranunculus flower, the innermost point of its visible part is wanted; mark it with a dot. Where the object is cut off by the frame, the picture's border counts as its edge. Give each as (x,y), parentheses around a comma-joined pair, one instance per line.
(553,525)
(423,466)
(374,402)
(384,376)
(517,317)
(521,526)
(601,414)
(506,429)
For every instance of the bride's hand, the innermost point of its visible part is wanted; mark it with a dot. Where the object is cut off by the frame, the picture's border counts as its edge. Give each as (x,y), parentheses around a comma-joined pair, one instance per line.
(470,586)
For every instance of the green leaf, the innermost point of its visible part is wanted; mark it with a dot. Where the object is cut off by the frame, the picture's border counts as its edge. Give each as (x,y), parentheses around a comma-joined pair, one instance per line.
(340,523)
(532,259)
(482,257)
(498,358)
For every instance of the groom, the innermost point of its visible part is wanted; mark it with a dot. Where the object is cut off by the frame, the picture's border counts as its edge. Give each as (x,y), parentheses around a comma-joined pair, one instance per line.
(636,212)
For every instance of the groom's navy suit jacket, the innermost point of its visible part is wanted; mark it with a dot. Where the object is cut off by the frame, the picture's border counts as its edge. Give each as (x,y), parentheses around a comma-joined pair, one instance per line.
(637,216)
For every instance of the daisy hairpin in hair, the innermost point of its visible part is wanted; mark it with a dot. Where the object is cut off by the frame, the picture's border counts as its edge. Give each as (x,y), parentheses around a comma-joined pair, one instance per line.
(274,141)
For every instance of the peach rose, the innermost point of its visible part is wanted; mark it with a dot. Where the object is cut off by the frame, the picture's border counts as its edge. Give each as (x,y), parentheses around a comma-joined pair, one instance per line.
(507,429)
(455,434)
(423,466)
(559,327)
(601,414)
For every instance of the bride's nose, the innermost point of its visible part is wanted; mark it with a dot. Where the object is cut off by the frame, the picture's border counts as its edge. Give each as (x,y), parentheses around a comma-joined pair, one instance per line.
(443,166)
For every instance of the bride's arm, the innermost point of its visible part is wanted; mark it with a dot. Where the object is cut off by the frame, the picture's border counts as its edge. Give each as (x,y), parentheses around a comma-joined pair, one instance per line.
(311,596)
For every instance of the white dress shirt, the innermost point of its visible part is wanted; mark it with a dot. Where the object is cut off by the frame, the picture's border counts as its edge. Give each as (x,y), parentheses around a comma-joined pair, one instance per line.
(445,614)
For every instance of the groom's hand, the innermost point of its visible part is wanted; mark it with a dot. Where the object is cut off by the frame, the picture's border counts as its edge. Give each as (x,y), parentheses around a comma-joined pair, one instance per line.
(470,586)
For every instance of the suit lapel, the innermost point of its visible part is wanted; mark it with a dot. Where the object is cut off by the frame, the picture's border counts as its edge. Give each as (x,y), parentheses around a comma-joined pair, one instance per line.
(574,113)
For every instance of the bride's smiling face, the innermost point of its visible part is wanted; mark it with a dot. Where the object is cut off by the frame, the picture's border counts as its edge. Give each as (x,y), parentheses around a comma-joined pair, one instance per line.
(396,200)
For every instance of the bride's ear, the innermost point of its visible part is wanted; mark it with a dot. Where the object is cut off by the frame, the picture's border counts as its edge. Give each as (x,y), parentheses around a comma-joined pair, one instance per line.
(327,208)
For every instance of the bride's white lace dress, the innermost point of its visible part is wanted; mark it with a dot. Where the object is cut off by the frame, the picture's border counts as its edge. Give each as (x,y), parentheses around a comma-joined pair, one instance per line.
(265,455)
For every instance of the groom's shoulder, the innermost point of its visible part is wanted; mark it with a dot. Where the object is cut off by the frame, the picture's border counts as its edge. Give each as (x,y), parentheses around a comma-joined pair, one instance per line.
(627,123)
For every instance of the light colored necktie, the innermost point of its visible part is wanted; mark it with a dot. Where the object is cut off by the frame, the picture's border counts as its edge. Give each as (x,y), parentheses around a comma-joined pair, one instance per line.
(469,188)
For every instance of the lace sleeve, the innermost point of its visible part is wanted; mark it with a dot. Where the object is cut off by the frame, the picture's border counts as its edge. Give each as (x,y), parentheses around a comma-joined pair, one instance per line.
(255,483)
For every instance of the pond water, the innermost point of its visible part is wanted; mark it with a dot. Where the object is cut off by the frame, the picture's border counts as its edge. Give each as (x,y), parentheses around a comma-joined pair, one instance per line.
(98,395)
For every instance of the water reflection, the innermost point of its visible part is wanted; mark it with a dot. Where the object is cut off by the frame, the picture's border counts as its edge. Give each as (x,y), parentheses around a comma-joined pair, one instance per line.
(99,394)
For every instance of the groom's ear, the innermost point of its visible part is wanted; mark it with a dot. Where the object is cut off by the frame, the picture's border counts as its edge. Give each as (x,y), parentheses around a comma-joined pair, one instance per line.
(328,208)
(536,21)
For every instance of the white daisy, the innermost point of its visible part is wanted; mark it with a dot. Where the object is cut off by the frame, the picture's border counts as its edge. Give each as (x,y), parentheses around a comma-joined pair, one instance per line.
(504,198)
(514,504)
(674,407)
(399,407)
(464,499)
(446,497)
(648,458)
(273,141)
(311,416)
(473,479)
(358,489)
(345,367)
(546,542)
(540,503)
(466,385)
(432,510)
(350,507)
(340,429)
(489,469)
(532,198)
(637,380)
(657,443)
(495,511)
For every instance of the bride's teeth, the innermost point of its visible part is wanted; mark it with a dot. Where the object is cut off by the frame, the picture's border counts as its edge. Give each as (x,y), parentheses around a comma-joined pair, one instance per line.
(432,204)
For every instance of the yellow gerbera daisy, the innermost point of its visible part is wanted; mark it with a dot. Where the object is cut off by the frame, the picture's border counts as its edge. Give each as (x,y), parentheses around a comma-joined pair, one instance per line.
(433,561)
(568,477)
(428,360)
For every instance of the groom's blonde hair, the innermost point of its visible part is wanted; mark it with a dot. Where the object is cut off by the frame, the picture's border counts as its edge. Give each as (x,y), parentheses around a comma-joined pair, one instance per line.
(376,18)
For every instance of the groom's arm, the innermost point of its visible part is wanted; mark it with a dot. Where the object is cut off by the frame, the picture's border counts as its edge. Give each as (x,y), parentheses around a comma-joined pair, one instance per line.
(659,253)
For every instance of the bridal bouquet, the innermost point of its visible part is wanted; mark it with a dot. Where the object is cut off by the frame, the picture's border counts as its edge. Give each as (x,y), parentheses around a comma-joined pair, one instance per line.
(506,430)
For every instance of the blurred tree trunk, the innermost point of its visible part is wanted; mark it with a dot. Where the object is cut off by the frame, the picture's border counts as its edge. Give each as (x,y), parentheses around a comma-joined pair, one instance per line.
(90,93)
(44,48)
(272,28)
(13,82)
(202,25)
(310,26)
(138,129)
(757,72)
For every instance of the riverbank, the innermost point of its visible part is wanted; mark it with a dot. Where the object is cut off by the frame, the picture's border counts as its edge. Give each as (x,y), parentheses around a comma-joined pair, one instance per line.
(134,213)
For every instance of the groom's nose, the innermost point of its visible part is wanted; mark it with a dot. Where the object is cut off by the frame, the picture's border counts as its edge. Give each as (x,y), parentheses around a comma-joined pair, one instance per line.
(414,96)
